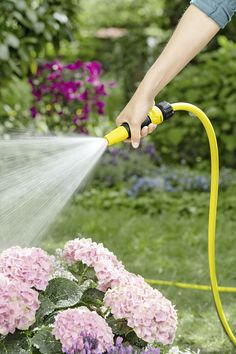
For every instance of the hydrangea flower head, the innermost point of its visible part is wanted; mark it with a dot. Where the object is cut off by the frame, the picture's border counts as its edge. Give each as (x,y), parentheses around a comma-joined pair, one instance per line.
(18,305)
(32,266)
(152,317)
(108,269)
(72,325)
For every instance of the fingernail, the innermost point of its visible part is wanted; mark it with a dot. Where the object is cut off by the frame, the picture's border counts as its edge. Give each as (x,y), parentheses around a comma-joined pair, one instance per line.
(135,145)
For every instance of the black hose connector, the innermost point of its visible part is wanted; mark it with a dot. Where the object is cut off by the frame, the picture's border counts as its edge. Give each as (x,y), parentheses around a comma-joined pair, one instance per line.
(166,110)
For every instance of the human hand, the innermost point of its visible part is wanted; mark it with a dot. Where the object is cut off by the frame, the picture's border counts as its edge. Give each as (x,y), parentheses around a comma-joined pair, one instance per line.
(134,114)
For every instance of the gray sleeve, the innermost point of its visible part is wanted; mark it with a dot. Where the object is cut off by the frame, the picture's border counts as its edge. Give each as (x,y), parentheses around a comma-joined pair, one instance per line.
(220,11)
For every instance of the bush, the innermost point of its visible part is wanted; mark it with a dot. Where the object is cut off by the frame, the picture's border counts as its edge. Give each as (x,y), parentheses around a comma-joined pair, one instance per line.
(26,27)
(209,84)
(65,95)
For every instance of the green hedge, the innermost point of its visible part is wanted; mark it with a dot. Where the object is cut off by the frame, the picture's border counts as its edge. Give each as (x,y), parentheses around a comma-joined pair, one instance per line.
(210,84)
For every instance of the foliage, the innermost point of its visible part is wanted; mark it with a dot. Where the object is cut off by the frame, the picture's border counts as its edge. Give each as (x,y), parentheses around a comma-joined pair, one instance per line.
(140,171)
(126,163)
(65,95)
(27,26)
(210,85)
(14,111)
(72,309)
(139,33)
(164,236)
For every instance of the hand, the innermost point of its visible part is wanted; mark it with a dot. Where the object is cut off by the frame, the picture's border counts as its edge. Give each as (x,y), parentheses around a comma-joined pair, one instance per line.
(134,114)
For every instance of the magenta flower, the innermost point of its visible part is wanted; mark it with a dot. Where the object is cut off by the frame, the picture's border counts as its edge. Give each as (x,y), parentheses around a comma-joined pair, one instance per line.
(74,66)
(33,111)
(94,69)
(31,266)
(18,305)
(100,106)
(71,88)
(100,90)
(71,325)
(84,95)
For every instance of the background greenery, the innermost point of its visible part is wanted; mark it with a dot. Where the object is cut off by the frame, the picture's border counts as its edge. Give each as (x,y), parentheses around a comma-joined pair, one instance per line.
(150,206)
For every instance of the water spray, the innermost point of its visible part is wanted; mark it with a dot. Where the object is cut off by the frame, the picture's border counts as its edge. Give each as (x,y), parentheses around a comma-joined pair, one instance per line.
(157,115)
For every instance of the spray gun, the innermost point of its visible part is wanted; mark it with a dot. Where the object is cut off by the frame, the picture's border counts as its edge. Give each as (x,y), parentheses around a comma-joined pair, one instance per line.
(158,114)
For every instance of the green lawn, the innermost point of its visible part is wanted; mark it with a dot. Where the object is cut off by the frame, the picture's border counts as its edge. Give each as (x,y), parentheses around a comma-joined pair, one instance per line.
(170,244)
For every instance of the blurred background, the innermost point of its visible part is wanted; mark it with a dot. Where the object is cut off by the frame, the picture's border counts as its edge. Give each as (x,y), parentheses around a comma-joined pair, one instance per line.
(148,206)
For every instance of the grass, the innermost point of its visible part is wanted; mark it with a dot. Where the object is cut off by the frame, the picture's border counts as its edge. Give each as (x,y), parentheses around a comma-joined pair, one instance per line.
(168,245)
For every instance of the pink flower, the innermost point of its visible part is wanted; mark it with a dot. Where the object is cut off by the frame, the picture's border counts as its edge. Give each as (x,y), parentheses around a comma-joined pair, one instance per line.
(152,317)
(108,269)
(32,266)
(18,305)
(71,325)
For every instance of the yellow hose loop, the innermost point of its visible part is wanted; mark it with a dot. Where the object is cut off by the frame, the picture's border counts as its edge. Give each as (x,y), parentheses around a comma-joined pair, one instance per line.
(177,284)
(181,106)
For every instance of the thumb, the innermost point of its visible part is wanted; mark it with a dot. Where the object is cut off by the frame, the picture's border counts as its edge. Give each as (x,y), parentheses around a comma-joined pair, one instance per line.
(135,135)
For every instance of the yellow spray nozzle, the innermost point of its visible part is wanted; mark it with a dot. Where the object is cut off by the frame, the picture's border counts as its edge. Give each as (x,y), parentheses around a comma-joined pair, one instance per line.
(156,115)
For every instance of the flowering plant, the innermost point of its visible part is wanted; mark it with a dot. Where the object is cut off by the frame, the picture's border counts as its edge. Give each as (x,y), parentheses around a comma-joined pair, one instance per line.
(67,93)
(82,300)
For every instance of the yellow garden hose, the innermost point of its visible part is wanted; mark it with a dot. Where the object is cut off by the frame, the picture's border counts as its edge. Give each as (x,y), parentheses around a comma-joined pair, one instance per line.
(157,115)
(212,208)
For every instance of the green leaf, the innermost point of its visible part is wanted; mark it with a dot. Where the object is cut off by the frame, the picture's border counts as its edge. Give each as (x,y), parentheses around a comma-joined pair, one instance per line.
(134,340)
(45,342)
(46,308)
(15,343)
(119,327)
(63,292)
(93,297)
(4,52)
(82,272)
(12,41)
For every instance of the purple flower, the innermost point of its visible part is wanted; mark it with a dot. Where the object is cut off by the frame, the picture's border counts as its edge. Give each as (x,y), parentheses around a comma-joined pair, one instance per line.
(94,69)
(74,66)
(100,90)
(100,106)
(84,95)
(112,84)
(54,65)
(33,111)
(54,75)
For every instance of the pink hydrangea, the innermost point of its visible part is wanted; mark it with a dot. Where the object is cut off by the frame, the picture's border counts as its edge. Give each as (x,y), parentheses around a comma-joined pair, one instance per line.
(71,325)
(108,269)
(18,305)
(152,317)
(32,266)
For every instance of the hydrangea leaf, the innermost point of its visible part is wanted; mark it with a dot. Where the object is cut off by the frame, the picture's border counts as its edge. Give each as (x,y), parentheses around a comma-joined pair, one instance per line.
(45,342)
(134,340)
(93,297)
(119,327)
(46,308)
(63,292)
(15,343)
(82,272)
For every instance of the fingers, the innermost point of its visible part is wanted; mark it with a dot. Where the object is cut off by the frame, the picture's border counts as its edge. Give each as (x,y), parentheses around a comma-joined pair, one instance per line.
(151,128)
(135,135)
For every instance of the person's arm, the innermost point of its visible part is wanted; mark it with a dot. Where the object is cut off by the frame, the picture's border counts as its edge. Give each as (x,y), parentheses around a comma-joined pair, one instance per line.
(193,32)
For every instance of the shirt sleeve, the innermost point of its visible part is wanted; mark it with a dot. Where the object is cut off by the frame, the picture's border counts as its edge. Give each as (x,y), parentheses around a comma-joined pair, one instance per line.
(221,11)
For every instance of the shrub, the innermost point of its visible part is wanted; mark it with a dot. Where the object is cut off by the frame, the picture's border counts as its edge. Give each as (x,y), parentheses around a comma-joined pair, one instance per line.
(209,84)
